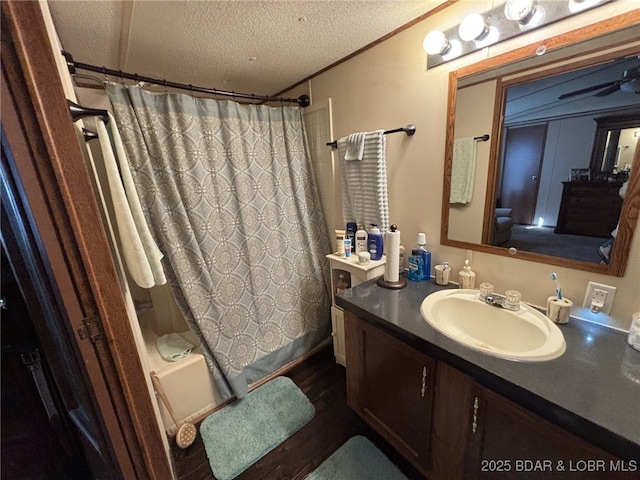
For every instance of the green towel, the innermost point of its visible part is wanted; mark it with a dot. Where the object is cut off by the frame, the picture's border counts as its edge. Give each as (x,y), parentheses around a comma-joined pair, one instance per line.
(172,347)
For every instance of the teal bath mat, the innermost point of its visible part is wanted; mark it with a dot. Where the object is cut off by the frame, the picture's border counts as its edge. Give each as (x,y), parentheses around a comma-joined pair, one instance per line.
(357,459)
(239,434)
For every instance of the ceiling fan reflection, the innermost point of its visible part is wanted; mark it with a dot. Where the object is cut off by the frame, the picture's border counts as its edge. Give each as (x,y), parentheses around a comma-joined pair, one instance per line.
(629,83)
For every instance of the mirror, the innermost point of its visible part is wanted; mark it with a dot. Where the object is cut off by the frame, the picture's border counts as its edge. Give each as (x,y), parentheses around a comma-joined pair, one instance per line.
(546,185)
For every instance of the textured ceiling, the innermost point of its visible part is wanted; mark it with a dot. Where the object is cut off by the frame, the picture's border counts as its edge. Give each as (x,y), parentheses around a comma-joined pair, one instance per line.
(259,47)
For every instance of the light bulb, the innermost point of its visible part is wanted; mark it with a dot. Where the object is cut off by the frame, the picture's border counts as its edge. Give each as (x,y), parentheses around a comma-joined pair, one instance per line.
(520,11)
(473,27)
(436,43)
(576,6)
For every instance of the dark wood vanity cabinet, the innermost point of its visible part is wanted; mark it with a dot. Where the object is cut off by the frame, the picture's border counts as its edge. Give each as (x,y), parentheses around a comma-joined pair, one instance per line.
(451,427)
(391,386)
(589,208)
(508,441)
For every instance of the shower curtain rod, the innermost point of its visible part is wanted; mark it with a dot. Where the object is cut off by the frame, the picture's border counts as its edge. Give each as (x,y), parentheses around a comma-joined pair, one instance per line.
(409,130)
(72,65)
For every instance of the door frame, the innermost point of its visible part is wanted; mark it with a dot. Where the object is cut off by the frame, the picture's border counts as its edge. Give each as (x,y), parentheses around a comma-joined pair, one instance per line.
(55,184)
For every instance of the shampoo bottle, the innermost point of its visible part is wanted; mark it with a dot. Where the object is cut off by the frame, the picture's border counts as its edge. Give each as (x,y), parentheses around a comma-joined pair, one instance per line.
(426,256)
(361,240)
(374,242)
(467,277)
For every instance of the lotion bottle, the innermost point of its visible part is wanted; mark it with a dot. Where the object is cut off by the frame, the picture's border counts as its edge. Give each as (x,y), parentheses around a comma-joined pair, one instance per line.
(467,277)
(361,240)
(374,242)
(340,243)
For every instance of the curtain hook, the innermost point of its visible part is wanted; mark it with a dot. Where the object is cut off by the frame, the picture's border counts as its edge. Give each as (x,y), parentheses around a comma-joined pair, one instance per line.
(121,73)
(104,72)
(164,82)
(191,89)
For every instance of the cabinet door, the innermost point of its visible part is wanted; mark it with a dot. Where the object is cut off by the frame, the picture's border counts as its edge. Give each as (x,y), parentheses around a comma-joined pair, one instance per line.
(337,333)
(508,441)
(393,391)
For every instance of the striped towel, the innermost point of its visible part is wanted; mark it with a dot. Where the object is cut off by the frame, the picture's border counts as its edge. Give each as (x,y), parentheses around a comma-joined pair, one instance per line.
(364,183)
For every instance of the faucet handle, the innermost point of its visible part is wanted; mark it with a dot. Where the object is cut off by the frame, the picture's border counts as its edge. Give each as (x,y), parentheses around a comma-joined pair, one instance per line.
(512,299)
(486,289)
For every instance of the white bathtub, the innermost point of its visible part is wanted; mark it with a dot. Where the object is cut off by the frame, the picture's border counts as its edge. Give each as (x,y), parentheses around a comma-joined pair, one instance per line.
(187,383)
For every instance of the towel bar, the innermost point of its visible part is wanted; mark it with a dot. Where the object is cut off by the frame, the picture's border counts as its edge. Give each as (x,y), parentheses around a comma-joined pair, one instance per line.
(409,130)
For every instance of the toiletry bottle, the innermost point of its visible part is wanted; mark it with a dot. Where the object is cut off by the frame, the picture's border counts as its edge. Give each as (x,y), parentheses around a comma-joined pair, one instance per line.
(340,243)
(347,248)
(350,233)
(416,264)
(401,267)
(374,242)
(361,240)
(426,256)
(467,277)
(341,284)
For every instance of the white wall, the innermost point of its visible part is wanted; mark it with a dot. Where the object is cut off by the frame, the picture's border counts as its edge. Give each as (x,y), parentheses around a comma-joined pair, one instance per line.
(473,120)
(388,86)
(565,148)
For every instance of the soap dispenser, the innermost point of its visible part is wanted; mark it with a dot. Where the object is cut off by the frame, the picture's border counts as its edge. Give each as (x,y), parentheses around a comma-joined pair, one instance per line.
(467,277)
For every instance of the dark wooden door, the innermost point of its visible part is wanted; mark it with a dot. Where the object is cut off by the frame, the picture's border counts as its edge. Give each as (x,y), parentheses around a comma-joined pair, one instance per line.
(73,378)
(55,242)
(524,149)
(392,380)
(507,441)
(33,417)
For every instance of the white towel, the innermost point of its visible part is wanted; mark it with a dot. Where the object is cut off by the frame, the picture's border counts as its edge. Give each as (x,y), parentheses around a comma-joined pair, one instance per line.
(133,249)
(153,253)
(172,347)
(355,146)
(463,170)
(364,183)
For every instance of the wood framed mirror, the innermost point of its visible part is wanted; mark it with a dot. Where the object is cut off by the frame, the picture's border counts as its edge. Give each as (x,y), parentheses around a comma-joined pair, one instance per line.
(487,98)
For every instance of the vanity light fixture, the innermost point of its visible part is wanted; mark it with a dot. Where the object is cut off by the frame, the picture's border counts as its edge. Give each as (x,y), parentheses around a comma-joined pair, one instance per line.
(515,17)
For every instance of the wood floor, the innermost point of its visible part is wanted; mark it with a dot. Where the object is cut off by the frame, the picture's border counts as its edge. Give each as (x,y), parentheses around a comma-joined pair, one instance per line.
(323,382)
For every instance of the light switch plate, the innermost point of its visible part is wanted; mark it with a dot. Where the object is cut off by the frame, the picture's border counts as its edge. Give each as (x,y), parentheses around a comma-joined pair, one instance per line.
(599,297)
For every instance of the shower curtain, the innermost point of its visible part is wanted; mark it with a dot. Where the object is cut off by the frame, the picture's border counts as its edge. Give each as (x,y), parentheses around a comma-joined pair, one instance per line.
(230,197)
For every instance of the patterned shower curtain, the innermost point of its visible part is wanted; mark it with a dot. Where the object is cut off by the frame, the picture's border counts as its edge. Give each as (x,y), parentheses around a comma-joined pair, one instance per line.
(229,194)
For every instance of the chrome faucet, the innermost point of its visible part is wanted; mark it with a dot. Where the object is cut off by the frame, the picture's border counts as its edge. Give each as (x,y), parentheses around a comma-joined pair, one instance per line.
(510,300)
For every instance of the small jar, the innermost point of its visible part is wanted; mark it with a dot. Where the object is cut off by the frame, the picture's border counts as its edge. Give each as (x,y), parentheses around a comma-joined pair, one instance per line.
(364,258)
(634,332)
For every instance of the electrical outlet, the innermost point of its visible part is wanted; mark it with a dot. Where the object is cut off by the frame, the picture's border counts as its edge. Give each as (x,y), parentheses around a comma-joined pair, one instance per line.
(599,297)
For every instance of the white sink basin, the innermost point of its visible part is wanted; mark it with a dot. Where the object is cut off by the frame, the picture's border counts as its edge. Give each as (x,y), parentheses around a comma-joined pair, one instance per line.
(524,335)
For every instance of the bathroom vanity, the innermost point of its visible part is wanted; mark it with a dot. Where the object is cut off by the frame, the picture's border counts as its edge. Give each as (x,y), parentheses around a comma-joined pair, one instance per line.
(457,413)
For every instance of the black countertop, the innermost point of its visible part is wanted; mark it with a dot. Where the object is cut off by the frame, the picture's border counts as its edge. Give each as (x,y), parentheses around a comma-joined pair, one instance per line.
(592,390)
